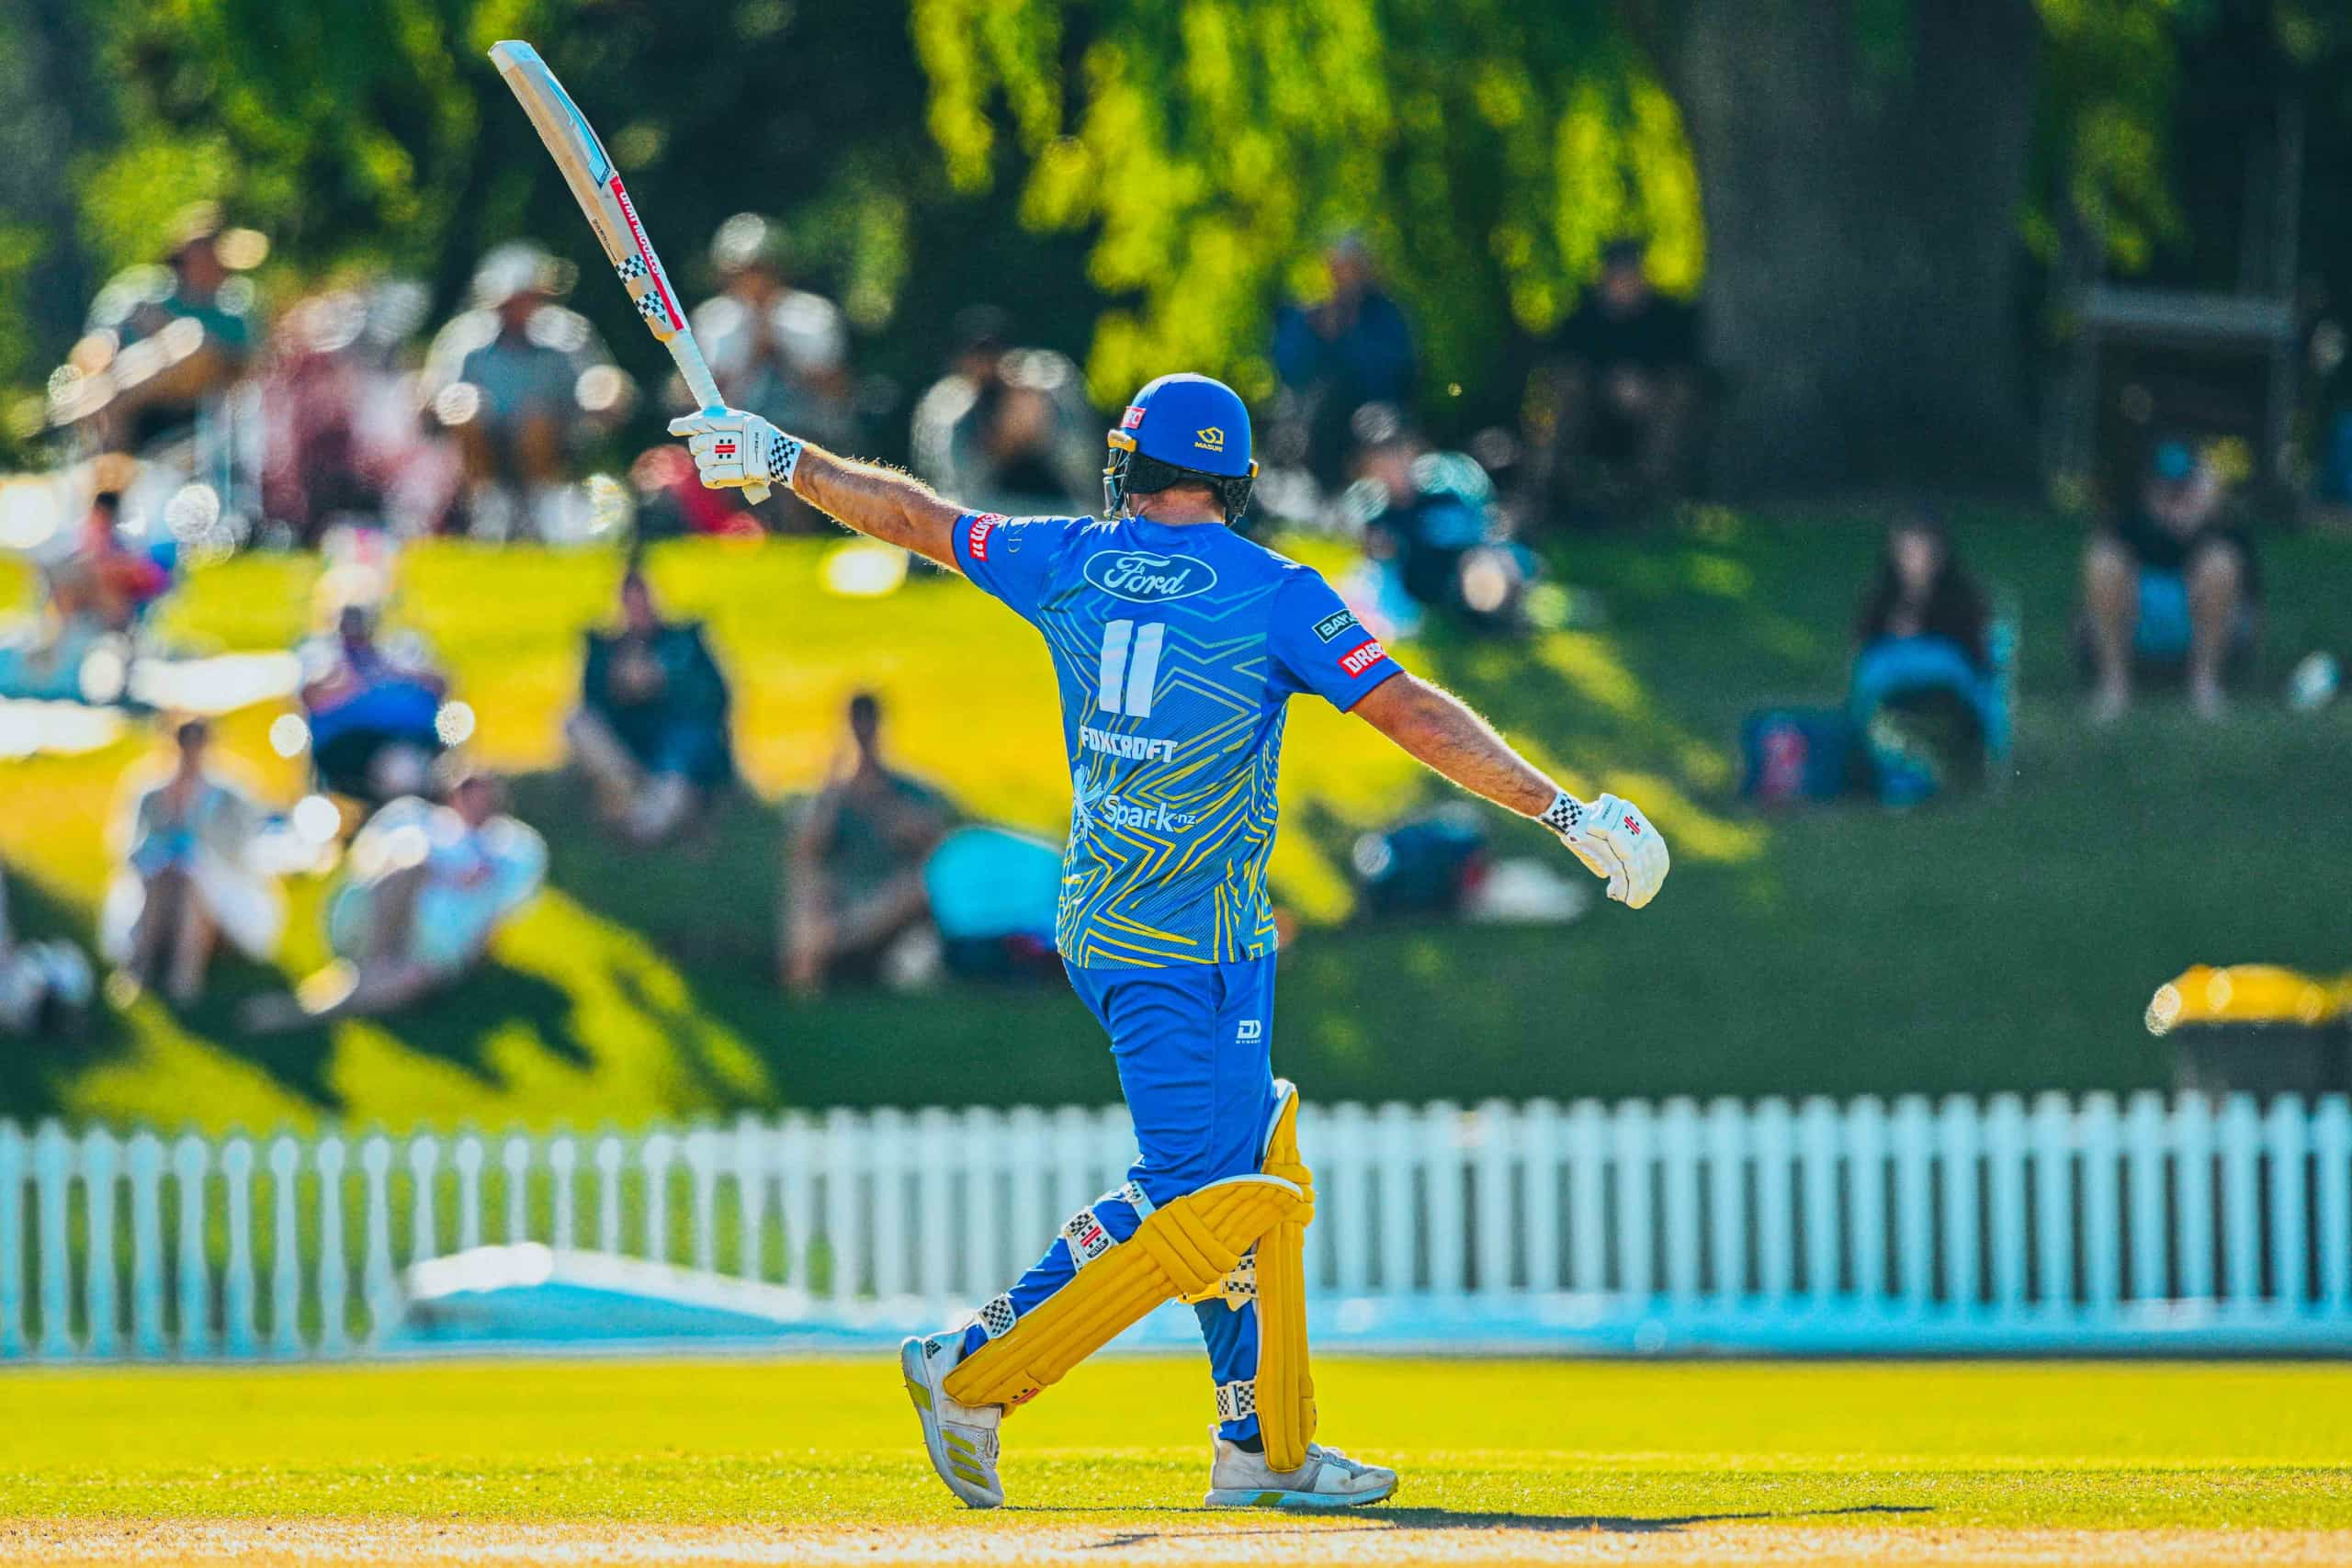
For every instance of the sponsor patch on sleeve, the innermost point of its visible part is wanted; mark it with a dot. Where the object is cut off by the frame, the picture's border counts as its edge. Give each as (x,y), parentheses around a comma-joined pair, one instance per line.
(1335,623)
(1363,658)
(977,541)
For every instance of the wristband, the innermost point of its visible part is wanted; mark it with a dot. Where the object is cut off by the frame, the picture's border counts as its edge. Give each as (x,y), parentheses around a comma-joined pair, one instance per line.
(783,455)
(1563,815)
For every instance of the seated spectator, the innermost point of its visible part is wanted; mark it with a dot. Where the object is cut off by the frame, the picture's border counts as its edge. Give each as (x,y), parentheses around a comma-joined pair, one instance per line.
(854,884)
(428,886)
(341,443)
(1430,522)
(2170,583)
(650,732)
(777,350)
(1008,429)
(524,385)
(1334,355)
(1926,698)
(163,341)
(186,877)
(124,579)
(1612,404)
(44,985)
(373,712)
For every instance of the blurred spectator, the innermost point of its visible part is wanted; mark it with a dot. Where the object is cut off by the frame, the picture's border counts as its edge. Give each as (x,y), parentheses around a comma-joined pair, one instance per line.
(1430,523)
(44,985)
(342,442)
(1612,404)
(186,878)
(1926,699)
(526,385)
(428,886)
(164,341)
(671,500)
(778,351)
(91,597)
(373,711)
(854,884)
(650,732)
(1008,429)
(2171,583)
(1352,348)
(122,580)
(1922,592)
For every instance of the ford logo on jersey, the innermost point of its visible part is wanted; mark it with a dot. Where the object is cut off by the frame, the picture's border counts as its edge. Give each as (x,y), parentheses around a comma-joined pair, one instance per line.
(1148,578)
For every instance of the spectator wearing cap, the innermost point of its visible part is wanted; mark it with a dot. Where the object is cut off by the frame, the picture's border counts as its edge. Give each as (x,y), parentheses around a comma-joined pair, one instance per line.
(428,886)
(1007,429)
(1336,354)
(2171,582)
(1612,402)
(524,385)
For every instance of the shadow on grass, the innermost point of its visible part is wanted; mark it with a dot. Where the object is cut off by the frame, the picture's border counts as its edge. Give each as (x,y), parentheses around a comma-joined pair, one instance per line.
(1382,1517)
(37,1068)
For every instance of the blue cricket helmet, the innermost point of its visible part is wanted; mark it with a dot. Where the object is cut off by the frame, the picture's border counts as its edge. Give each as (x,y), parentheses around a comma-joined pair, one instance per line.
(1182,429)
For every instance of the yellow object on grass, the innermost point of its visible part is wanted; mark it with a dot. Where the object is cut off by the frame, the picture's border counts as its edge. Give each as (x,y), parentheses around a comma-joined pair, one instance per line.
(2248,993)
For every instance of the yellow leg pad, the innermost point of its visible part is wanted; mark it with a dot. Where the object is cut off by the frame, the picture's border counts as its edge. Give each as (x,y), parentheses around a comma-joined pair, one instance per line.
(1186,1245)
(1286,1389)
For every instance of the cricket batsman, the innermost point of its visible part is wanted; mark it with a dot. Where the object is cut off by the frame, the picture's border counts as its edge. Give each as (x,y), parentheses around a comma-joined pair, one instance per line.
(1178,645)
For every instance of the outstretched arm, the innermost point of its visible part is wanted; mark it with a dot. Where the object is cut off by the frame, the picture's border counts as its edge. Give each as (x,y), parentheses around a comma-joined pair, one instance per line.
(1439,729)
(733,449)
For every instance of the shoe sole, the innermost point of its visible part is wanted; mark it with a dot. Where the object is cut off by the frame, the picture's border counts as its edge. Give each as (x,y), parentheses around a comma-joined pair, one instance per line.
(1270,1497)
(919,1395)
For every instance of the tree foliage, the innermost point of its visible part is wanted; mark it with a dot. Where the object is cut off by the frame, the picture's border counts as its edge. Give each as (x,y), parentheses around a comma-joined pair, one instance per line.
(1486,151)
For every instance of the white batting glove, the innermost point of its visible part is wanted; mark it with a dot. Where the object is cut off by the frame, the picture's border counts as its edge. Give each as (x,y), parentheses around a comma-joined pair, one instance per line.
(1613,840)
(734,450)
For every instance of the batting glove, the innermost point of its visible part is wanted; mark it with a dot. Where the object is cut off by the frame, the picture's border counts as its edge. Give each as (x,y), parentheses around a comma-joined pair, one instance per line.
(734,450)
(1613,840)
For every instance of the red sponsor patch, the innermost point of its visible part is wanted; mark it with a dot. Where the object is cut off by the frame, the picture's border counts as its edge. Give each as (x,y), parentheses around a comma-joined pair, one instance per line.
(1132,419)
(977,540)
(1363,658)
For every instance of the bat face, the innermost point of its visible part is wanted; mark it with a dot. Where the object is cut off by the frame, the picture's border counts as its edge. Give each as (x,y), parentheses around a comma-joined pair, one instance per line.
(594,182)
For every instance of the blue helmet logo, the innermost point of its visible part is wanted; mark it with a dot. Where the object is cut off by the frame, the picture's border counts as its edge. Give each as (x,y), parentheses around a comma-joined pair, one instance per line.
(1144,578)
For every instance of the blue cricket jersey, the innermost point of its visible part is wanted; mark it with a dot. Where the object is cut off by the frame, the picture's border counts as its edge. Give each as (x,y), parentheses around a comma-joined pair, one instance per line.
(1177,649)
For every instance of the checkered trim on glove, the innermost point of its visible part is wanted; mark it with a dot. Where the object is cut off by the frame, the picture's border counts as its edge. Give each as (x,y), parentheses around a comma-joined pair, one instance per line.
(783,455)
(1237,1401)
(997,1317)
(1563,815)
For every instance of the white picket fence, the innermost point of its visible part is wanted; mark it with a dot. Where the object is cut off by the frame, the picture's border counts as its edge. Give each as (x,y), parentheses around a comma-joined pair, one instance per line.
(1971,1214)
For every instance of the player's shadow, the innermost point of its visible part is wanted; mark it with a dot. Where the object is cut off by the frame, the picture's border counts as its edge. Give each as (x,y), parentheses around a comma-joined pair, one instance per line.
(1384,1518)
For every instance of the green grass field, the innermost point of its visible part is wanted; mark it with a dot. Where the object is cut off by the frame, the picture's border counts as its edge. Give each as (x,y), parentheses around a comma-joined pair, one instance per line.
(2010,940)
(1501,1460)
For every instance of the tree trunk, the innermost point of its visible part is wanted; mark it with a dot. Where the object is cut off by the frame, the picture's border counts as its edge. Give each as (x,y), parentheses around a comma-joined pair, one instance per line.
(1862,206)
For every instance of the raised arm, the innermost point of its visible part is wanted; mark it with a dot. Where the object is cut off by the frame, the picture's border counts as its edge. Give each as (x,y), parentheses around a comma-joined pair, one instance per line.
(1438,729)
(733,449)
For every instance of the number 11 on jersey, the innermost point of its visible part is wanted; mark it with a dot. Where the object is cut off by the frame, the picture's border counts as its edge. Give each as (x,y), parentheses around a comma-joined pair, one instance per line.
(1130,665)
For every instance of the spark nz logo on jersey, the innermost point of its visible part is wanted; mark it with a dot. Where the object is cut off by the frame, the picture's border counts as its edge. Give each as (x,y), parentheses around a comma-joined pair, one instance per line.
(1092,805)
(1142,578)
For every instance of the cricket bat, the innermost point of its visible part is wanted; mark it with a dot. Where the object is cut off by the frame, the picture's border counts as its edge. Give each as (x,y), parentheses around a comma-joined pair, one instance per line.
(597,185)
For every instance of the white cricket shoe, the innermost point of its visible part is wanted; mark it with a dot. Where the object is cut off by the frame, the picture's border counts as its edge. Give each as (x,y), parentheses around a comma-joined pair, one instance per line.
(961,1438)
(1329,1479)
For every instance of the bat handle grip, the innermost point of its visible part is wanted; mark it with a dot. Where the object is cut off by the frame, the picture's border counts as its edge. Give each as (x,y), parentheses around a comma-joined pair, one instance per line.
(704,388)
